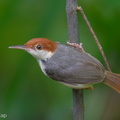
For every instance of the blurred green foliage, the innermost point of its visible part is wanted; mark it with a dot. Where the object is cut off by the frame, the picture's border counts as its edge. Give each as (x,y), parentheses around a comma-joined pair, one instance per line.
(27,94)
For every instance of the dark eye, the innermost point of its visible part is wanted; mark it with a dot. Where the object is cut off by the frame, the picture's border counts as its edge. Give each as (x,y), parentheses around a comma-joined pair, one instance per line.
(39,47)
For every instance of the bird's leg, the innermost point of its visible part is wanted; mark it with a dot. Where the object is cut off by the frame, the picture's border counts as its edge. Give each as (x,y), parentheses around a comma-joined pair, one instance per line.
(90,88)
(79,46)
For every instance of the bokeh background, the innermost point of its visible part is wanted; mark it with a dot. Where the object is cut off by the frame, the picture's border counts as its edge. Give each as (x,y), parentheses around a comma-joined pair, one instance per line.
(25,92)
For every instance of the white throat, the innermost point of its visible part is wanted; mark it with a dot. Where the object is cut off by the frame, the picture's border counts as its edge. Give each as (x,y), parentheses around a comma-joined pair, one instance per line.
(40,54)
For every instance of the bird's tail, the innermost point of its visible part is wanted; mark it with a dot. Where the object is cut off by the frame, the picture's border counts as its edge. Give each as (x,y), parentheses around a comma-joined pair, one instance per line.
(113,80)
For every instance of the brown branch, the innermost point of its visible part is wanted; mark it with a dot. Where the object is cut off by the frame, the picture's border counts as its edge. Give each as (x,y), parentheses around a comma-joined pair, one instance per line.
(95,37)
(72,19)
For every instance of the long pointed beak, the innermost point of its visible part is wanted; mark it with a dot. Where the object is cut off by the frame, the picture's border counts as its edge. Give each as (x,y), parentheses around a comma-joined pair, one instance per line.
(23,47)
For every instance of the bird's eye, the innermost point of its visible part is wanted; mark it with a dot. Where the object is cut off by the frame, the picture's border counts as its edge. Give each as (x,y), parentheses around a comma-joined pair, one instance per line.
(39,47)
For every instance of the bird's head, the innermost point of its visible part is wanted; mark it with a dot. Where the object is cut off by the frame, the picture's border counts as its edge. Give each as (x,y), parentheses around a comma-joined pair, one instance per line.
(40,48)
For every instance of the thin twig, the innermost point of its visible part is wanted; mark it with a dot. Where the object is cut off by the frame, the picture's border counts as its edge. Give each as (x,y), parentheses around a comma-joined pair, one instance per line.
(95,37)
(73,34)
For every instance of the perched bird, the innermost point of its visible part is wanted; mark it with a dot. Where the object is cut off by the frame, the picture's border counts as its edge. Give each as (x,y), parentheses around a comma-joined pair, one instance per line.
(69,64)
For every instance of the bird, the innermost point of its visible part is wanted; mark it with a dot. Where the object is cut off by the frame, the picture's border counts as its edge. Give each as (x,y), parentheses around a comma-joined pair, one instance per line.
(69,64)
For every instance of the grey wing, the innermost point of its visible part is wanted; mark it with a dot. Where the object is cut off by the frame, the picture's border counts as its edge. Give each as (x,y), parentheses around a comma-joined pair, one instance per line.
(71,65)
(80,72)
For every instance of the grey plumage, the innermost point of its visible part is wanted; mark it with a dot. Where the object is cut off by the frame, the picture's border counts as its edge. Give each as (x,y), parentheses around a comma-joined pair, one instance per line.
(73,66)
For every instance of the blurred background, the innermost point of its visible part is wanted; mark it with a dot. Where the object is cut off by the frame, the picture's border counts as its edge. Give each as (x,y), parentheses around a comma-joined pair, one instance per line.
(25,92)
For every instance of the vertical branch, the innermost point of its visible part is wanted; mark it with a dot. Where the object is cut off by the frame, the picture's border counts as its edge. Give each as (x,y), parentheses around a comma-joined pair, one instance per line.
(72,19)
(78,107)
(73,33)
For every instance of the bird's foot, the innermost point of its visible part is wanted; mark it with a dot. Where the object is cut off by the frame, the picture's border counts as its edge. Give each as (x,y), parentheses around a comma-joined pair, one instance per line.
(90,88)
(79,46)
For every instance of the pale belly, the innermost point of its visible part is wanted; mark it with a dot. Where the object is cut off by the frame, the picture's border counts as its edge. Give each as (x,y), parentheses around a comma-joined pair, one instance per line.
(78,86)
